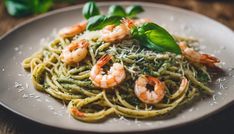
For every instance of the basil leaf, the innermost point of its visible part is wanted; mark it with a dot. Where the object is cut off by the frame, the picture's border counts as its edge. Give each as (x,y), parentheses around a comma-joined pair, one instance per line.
(42,6)
(19,7)
(116,10)
(93,22)
(132,11)
(134,32)
(162,41)
(150,26)
(156,38)
(90,9)
(100,21)
(25,7)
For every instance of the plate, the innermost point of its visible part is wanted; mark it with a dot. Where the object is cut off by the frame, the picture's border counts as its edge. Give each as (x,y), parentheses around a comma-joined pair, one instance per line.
(18,94)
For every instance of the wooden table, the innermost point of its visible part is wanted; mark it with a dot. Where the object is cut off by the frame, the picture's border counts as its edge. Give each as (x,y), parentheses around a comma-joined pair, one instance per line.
(222,122)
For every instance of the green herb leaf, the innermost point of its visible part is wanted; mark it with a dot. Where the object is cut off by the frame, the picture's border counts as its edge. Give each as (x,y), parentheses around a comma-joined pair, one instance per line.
(100,21)
(162,41)
(25,7)
(42,6)
(132,11)
(19,7)
(156,38)
(134,32)
(90,9)
(116,10)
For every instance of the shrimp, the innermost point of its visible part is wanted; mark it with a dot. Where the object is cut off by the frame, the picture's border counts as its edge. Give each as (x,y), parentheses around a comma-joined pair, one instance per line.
(114,76)
(73,30)
(112,33)
(75,52)
(195,56)
(144,94)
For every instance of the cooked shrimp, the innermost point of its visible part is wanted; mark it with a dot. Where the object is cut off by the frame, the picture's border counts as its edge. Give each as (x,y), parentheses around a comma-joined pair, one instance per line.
(115,75)
(144,94)
(112,33)
(75,52)
(73,30)
(195,56)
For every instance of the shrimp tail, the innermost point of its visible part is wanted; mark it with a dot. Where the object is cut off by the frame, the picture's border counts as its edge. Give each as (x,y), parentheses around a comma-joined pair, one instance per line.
(197,57)
(210,58)
(128,22)
(103,60)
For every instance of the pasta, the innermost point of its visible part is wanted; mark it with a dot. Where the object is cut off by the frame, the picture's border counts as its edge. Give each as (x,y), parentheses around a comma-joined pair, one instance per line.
(72,83)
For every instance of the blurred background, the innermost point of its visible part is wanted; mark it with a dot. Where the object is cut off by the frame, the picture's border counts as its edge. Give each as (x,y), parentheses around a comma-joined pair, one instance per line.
(14,12)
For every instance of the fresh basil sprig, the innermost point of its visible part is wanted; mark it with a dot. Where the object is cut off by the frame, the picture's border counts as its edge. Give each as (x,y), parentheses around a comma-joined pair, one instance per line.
(90,9)
(130,12)
(42,5)
(155,38)
(100,21)
(115,14)
(116,10)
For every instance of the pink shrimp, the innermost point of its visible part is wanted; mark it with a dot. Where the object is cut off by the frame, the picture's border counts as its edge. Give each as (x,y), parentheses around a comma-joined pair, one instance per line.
(195,56)
(75,52)
(73,30)
(144,94)
(112,33)
(115,75)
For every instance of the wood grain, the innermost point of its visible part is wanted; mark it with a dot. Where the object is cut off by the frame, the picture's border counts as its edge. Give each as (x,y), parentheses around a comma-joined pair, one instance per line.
(222,11)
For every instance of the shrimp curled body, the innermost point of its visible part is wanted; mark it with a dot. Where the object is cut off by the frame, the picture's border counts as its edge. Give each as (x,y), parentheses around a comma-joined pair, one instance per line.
(196,57)
(75,52)
(114,76)
(112,33)
(73,30)
(145,95)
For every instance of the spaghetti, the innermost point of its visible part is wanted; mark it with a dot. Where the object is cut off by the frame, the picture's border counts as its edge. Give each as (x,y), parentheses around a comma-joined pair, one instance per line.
(71,83)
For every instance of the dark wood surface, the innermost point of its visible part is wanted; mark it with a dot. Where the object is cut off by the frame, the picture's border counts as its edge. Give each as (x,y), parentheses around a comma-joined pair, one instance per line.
(222,122)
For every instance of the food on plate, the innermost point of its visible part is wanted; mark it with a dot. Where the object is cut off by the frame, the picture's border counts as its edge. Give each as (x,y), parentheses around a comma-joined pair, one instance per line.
(120,64)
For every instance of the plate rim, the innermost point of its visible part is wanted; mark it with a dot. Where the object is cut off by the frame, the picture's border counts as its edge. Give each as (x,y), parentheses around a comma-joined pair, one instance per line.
(151,4)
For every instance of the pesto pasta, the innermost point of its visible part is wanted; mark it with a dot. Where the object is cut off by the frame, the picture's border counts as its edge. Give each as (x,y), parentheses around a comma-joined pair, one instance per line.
(72,83)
